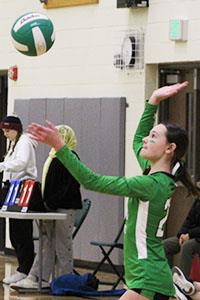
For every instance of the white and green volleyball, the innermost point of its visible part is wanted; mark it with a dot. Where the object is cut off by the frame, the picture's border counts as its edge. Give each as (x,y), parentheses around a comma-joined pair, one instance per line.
(33,34)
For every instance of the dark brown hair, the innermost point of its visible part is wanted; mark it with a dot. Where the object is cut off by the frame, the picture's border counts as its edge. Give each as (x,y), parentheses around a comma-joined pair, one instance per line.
(176,134)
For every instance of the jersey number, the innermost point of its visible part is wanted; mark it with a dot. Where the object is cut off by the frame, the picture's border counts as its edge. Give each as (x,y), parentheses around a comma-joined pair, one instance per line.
(160,231)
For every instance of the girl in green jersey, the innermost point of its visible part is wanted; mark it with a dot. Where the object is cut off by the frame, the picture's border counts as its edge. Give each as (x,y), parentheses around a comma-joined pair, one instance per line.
(159,150)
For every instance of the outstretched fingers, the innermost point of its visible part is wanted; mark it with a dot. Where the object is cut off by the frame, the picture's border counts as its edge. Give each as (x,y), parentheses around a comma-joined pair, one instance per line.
(180,86)
(171,90)
(38,132)
(50,125)
(46,134)
(167,91)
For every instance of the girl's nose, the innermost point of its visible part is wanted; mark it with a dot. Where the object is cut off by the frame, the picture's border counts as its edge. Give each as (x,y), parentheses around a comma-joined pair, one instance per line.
(145,139)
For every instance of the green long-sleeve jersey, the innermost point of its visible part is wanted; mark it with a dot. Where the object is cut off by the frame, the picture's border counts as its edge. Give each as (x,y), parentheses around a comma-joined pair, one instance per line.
(149,199)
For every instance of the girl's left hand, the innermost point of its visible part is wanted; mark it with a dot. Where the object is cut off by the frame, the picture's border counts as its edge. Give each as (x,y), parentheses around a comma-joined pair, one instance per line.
(166,92)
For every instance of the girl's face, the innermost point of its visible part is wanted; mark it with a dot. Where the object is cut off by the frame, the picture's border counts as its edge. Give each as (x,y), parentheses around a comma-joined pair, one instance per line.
(10,134)
(155,144)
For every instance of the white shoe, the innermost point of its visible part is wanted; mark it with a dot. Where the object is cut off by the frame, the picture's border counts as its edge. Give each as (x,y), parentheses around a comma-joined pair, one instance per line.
(30,282)
(184,285)
(14,278)
(179,295)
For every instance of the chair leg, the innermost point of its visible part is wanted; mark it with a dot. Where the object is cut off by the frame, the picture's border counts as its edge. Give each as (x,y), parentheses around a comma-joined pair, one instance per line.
(107,258)
(75,272)
(110,262)
(121,278)
(120,275)
(105,255)
(99,266)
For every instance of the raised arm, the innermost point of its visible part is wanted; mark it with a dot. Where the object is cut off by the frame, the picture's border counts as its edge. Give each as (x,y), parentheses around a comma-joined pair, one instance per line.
(145,125)
(148,117)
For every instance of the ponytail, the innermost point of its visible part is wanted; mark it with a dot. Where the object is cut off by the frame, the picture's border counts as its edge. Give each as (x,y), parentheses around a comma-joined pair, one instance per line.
(146,171)
(181,174)
(179,136)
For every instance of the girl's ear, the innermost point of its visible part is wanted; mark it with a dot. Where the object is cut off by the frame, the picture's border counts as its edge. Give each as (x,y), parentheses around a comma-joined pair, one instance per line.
(171,148)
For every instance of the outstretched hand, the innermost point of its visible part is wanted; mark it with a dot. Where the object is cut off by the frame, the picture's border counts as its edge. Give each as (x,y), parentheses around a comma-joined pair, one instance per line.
(46,134)
(166,92)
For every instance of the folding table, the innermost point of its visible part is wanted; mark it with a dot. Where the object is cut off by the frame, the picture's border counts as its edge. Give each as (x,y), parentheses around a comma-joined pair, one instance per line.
(40,217)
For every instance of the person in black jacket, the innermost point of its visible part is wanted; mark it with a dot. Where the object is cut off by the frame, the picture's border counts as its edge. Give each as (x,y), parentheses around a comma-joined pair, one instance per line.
(187,241)
(61,193)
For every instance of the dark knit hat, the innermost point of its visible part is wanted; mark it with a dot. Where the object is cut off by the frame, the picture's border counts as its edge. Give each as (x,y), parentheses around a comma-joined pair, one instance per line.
(11,122)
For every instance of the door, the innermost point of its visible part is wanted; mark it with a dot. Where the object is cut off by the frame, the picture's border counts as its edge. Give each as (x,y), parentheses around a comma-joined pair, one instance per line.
(3,112)
(183,109)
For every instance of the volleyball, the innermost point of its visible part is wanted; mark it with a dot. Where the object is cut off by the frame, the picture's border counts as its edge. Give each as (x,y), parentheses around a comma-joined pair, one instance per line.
(33,34)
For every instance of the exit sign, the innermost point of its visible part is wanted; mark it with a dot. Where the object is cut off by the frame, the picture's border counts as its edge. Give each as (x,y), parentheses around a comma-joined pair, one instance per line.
(178,30)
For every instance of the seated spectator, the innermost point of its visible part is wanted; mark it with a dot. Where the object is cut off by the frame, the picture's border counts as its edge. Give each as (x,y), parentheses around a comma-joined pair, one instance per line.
(187,243)
(19,163)
(185,289)
(61,193)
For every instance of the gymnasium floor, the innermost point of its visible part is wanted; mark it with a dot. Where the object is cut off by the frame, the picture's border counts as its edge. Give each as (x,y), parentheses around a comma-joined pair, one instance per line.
(8,266)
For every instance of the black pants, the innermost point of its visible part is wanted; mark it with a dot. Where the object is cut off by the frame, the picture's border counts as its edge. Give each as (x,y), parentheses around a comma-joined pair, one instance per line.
(156,297)
(21,237)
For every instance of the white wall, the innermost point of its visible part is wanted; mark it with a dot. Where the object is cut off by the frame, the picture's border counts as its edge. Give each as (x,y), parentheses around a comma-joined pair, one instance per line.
(159,48)
(80,63)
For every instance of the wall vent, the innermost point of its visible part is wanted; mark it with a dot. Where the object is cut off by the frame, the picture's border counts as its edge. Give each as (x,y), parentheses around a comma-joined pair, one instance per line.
(132,3)
(131,51)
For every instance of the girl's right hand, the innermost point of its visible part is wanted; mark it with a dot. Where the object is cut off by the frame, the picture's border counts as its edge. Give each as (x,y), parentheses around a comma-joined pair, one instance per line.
(166,92)
(46,134)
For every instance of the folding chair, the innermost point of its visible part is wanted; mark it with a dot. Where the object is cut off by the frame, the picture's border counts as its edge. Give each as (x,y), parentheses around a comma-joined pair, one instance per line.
(80,215)
(106,249)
